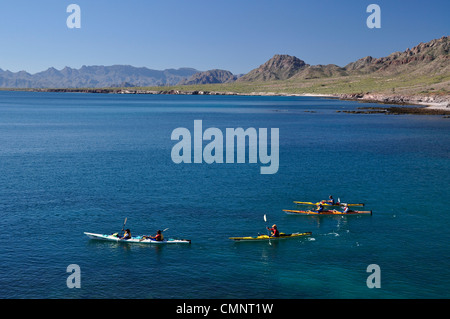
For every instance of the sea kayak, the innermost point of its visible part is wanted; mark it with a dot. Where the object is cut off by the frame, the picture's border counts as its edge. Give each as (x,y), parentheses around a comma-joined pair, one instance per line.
(328,212)
(137,239)
(328,204)
(266,237)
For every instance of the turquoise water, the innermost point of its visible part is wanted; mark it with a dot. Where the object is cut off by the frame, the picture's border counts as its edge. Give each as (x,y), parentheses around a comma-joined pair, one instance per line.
(74,163)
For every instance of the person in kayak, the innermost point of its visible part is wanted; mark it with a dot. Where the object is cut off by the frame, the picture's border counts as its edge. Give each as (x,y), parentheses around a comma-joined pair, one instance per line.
(346,210)
(319,208)
(329,201)
(158,237)
(274,230)
(126,235)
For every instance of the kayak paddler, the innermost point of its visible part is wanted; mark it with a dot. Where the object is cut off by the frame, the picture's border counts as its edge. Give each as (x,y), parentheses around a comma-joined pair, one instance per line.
(126,235)
(274,230)
(158,237)
(345,211)
(329,201)
(319,208)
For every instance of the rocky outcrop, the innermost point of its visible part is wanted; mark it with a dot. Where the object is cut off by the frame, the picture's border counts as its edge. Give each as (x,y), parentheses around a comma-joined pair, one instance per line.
(437,101)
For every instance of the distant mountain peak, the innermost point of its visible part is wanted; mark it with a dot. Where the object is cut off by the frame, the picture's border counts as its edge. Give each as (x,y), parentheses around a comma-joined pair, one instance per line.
(279,67)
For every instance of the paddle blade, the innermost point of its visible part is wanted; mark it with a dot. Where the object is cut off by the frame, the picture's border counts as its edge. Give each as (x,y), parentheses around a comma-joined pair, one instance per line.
(265,218)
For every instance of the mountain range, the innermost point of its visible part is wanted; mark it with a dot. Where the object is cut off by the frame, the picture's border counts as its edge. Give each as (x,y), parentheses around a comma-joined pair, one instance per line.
(95,77)
(426,60)
(430,58)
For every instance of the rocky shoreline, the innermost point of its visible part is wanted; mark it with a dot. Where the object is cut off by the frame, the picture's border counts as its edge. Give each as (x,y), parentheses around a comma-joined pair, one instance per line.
(431,101)
(398,110)
(436,102)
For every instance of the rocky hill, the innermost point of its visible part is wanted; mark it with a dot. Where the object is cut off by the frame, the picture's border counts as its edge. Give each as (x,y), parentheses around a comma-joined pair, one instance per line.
(431,58)
(426,58)
(280,67)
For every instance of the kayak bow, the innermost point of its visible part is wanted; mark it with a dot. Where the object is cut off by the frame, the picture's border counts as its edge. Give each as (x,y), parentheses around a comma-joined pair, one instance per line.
(266,237)
(137,239)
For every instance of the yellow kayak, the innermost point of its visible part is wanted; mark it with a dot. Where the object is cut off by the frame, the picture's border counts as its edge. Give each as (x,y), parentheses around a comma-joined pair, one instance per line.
(327,204)
(266,237)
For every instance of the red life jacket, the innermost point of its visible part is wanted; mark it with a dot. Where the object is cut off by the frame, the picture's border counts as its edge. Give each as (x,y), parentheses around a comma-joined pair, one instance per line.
(275,232)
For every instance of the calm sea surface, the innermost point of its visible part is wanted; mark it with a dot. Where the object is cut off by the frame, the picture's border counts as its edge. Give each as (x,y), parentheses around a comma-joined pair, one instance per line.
(74,163)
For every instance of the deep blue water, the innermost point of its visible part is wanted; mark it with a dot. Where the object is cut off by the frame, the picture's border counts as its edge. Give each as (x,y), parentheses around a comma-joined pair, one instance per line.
(71,163)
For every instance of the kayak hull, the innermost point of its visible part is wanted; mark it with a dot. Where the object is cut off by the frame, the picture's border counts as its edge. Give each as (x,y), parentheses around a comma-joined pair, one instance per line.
(136,240)
(329,212)
(266,237)
(328,204)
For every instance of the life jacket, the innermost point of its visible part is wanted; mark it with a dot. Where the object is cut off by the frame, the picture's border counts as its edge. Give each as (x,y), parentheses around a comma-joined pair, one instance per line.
(275,232)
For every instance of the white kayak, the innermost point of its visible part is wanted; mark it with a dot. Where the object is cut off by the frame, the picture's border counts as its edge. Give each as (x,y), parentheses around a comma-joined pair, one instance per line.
(137,239)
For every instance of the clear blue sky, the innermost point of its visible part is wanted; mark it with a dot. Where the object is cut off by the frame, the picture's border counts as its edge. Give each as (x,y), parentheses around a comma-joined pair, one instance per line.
(236,35)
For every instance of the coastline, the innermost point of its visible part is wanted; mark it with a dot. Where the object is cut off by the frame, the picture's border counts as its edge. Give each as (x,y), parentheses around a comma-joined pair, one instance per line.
(430,102)
(435,102)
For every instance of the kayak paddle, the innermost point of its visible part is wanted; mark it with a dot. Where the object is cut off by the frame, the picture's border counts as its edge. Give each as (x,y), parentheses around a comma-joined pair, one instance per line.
(268,233)
(124,223)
